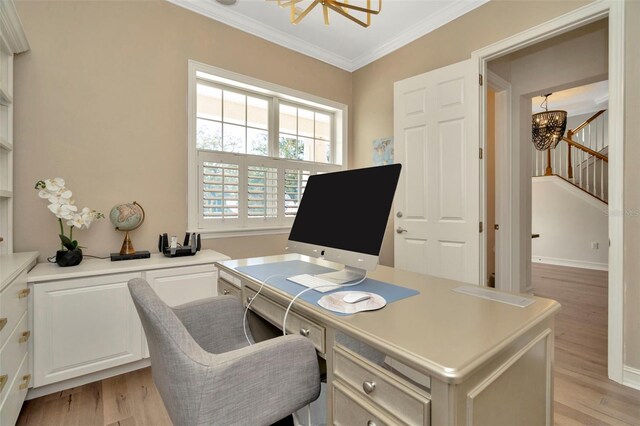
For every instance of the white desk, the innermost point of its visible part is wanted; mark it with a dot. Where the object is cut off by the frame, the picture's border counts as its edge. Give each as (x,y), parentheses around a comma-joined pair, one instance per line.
(485,362)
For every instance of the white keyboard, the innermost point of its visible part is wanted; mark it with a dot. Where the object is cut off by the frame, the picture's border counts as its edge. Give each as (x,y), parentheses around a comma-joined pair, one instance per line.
(311,281)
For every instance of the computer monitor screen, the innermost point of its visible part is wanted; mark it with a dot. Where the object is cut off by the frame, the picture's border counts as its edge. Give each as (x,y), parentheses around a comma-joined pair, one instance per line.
(343,215)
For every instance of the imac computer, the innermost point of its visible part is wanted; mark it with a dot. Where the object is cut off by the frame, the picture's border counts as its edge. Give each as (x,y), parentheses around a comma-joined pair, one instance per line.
(342,218)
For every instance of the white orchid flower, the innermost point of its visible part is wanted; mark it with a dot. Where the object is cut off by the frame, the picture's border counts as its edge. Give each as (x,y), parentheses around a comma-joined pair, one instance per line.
(65,193)
(54,184)
(88,216)
(55,208)
(76,220)
(43,193)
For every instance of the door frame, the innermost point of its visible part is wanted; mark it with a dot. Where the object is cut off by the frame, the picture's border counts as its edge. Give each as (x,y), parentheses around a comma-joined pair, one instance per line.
(521,228)
(503,192)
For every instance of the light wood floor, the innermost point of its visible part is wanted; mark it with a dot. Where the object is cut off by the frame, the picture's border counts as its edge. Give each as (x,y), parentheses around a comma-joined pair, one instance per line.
(583,394)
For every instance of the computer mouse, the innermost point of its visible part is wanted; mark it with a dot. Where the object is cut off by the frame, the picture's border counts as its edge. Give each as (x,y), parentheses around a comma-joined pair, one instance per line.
(356,297)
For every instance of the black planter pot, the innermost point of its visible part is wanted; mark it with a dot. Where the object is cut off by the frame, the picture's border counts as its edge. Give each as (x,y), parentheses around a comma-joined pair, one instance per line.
(69,257)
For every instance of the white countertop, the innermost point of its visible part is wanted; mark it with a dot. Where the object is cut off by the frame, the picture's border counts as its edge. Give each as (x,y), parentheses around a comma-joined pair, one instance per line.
(12,264)
(50,271)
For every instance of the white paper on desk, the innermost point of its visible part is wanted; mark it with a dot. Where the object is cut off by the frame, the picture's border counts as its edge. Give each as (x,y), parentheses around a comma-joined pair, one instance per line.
(334,302)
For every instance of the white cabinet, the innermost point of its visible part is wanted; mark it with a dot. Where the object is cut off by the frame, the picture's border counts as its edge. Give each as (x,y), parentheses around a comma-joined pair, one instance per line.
(181,285)
(15,334)
(84,325)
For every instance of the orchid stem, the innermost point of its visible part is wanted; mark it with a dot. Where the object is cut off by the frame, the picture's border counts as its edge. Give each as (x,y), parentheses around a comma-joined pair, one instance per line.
(71,233)
(61,233)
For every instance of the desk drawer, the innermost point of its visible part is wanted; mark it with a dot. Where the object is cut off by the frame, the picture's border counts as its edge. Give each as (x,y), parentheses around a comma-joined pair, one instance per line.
(379,387)
(296,324)
(16,391)
(13,303)
(350,410)
(227,289)
(12,354)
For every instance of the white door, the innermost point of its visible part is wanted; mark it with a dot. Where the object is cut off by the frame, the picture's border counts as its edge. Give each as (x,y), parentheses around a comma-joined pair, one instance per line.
(437,201)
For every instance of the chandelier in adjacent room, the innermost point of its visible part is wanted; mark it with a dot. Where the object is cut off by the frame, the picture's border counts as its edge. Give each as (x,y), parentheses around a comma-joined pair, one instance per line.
(548,127)
(343,8)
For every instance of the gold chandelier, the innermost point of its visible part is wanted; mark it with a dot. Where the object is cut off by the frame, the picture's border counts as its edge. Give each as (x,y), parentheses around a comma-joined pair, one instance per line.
(342,7)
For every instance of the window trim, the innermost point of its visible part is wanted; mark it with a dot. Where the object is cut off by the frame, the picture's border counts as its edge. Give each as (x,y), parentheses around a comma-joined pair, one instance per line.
(245,83)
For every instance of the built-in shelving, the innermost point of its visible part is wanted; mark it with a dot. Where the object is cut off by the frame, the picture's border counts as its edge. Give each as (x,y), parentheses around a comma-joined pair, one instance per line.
(6,194)
(4,144)
(5,98)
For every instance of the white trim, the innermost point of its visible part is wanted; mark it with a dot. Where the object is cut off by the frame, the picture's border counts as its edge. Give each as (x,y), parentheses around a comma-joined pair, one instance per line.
(570,262)
(631,377)
(12,28)
(573,190)
(87,378)
(453,10)
(503,212)
(212,234)
(562,24)
(228,16)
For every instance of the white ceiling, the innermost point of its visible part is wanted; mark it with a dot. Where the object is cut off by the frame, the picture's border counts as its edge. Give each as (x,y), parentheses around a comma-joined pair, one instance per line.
(343,43)
(585,99)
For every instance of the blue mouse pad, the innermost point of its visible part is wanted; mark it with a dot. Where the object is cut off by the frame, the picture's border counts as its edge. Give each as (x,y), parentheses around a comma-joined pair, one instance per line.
(275,274)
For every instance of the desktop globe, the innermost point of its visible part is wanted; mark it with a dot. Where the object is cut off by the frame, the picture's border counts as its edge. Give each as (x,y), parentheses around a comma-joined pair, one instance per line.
(127,217)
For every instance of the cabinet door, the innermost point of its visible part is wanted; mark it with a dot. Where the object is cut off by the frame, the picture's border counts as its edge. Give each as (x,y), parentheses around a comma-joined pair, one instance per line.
(176,286)
(84,325)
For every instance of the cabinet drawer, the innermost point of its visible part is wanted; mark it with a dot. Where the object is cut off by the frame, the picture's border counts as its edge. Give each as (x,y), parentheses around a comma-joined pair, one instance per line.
(227,289)
(13,303)
(296,324)
(13,352)
(16,391)
(350,410)
(177,286)
(380,388)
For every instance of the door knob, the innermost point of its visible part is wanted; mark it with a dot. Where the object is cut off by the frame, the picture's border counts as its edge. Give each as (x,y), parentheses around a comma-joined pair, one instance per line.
(400,230)
(399,214)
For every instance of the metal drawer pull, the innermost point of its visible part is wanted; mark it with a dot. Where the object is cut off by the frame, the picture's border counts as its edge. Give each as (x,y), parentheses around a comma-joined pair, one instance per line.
(24,293)
(400,230)
(305,332)
(371,423)
(3,381)
(25,336)
(368,387)
(225,292)
(3,322)
(248,299)
(25,381)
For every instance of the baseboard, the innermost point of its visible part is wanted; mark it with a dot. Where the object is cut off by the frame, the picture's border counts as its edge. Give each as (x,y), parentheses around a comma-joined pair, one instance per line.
(631,377)
(88,378)
(569,262)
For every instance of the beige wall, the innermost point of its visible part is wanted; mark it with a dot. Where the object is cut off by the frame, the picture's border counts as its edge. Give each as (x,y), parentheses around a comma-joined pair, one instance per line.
(454,42)
(631,191)
(101,100)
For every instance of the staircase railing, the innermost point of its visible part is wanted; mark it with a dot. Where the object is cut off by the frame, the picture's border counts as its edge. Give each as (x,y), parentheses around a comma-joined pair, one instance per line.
(585,150)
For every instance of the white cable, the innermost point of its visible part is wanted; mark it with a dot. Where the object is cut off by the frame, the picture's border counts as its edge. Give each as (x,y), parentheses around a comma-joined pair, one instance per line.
(284,321)
(244,317)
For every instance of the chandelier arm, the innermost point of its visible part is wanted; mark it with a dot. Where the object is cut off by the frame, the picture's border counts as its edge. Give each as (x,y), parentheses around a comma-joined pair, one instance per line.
(359,8)
(339,10)
(296,20)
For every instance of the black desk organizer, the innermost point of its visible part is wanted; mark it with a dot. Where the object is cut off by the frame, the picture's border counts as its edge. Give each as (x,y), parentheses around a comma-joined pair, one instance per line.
(190,246)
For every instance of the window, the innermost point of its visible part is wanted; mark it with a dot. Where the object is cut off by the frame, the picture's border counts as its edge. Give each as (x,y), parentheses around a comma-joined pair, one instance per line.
(252,147)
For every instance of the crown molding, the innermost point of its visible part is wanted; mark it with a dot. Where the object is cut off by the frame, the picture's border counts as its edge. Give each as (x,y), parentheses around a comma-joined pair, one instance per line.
(252,26)
(445,15)
(12,27)
(258,29)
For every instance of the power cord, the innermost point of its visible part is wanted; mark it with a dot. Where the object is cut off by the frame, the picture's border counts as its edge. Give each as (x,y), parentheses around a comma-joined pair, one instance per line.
(244,317)
(286,314)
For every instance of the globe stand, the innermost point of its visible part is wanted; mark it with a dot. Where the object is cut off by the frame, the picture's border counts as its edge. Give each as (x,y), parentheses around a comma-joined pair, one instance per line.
(127,247)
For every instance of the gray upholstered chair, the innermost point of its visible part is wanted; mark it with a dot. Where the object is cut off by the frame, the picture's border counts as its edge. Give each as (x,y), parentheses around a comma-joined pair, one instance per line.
(207,373)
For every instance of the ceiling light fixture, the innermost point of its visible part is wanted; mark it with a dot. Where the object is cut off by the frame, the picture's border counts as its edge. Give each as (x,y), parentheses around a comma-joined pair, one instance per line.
(548,127)
(342,7)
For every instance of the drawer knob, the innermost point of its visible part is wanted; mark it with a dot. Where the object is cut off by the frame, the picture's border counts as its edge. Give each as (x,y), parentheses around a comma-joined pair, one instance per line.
(225,292)
(25,381)
(368,387)
(24,336)
(3,322)
(371,423)
(24,293)
(248,299)
(3,381)
(305,332)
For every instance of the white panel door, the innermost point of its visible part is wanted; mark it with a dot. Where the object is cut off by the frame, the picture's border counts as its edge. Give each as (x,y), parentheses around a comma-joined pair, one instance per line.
(84,325)
(176,286)
(437,201)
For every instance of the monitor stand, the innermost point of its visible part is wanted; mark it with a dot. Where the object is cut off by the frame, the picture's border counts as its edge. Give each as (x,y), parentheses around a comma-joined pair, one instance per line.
(344,276)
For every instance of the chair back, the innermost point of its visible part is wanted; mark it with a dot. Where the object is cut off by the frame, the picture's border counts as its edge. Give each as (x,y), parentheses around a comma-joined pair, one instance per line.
(177,361)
